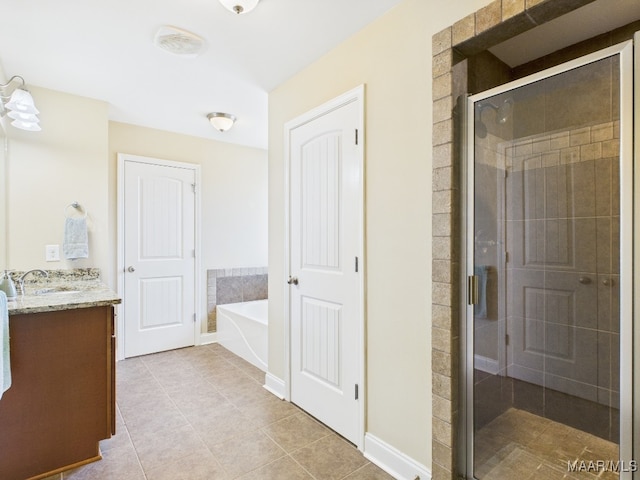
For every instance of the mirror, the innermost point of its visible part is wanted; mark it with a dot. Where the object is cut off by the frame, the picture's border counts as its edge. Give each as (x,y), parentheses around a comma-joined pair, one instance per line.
(4,148)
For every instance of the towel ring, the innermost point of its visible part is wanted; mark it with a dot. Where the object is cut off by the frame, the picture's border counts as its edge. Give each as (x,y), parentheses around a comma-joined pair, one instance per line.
(76,206)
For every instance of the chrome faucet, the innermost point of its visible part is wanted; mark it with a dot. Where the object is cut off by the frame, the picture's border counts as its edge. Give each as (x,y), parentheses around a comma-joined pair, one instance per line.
(22,277)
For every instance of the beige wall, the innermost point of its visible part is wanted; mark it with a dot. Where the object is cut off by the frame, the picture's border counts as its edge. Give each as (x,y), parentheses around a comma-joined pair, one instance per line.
(392,57)
(48,170)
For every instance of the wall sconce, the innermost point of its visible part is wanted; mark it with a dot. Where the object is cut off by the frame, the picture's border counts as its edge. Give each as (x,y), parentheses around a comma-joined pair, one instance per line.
(239,6)
(221,121)
(18,105)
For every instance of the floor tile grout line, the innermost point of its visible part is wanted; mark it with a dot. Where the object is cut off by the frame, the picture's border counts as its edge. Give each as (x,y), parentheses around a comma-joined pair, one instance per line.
(133,447)
(260,429)
(298,448)
(302,466)
(135,451)
(204,444)
(124,421)
(229,399)
(356,470)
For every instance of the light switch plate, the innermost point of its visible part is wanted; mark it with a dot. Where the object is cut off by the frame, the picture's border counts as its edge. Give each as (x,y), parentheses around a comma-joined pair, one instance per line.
(52,253)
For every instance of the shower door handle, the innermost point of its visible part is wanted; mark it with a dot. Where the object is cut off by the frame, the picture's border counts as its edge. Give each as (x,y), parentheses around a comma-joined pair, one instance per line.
(472,290)
(292,280)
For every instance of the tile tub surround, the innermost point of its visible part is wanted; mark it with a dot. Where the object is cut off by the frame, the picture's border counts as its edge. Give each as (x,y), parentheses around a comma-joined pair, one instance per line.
(234,285)
(452,53)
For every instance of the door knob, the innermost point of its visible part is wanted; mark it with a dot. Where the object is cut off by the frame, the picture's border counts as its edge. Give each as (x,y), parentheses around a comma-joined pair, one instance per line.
(585,280)
(131,269)
(292,280)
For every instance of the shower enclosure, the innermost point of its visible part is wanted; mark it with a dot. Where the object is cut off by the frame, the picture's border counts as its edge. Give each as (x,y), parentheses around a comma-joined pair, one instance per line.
(549,267)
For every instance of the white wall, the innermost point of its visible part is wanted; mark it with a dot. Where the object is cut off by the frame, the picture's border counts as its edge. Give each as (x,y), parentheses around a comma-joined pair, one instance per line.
(392,57)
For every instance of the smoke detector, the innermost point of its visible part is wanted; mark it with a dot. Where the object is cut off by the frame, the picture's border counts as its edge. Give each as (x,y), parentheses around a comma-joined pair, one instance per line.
(178,41)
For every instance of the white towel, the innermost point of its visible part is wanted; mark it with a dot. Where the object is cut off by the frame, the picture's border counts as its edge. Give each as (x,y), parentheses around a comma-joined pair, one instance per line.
(76,238)
(5,365)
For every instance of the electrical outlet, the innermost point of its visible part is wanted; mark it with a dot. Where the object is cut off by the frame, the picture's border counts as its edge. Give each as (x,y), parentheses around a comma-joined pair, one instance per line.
(52,253)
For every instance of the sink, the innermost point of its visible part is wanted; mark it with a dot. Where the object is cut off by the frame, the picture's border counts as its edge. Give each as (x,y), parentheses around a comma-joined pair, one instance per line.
(55,291)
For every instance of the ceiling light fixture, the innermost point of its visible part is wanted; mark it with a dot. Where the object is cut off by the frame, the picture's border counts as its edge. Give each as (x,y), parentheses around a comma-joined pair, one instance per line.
(239,6)
(221,121)
(18,105)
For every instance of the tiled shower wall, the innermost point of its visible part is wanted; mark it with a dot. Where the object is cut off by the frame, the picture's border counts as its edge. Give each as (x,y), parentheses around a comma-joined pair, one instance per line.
(574,175)
(232,285)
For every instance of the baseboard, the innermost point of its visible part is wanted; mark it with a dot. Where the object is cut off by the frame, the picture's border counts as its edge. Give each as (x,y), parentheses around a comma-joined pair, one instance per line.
(393,461)
(274,385)
(207,338)
(487,365)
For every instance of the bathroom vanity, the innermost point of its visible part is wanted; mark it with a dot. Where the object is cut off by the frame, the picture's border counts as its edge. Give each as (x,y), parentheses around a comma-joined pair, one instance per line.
(62,399)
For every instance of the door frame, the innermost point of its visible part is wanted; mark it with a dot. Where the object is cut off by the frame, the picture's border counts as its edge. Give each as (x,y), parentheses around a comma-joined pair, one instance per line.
(355,95)
(629,224)
(120,265)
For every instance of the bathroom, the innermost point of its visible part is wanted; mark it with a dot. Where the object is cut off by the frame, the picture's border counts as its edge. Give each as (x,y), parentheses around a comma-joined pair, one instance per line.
(403,301)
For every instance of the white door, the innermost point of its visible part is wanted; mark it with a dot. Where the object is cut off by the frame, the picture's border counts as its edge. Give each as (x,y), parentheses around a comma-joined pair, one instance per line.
(159,257)
(325,293)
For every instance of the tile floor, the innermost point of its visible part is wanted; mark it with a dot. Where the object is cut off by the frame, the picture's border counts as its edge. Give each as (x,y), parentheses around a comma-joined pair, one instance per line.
(201,413)
(521,445)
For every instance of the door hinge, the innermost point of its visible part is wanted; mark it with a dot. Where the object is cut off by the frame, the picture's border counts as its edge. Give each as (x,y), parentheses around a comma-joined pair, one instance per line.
(506,339)
(356,264)
(194,318)
(356,392)
(506,257)
(472,289)
(356,136)
(193,186)
(193,253)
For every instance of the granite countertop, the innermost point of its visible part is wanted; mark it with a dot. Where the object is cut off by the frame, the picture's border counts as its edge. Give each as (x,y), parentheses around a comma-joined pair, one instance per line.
(63,293)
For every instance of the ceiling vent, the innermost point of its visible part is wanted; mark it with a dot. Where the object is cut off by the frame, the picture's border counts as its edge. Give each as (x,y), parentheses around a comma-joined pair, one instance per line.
(179,42)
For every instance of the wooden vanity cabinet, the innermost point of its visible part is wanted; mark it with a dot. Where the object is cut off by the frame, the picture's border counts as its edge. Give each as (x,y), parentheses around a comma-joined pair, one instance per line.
(62,399)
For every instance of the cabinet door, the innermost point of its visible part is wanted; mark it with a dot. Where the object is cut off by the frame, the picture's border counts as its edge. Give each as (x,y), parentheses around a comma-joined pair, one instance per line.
(59,405)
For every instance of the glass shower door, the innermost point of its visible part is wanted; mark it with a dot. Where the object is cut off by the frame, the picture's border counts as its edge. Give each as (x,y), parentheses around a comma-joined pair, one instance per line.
(544,244)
